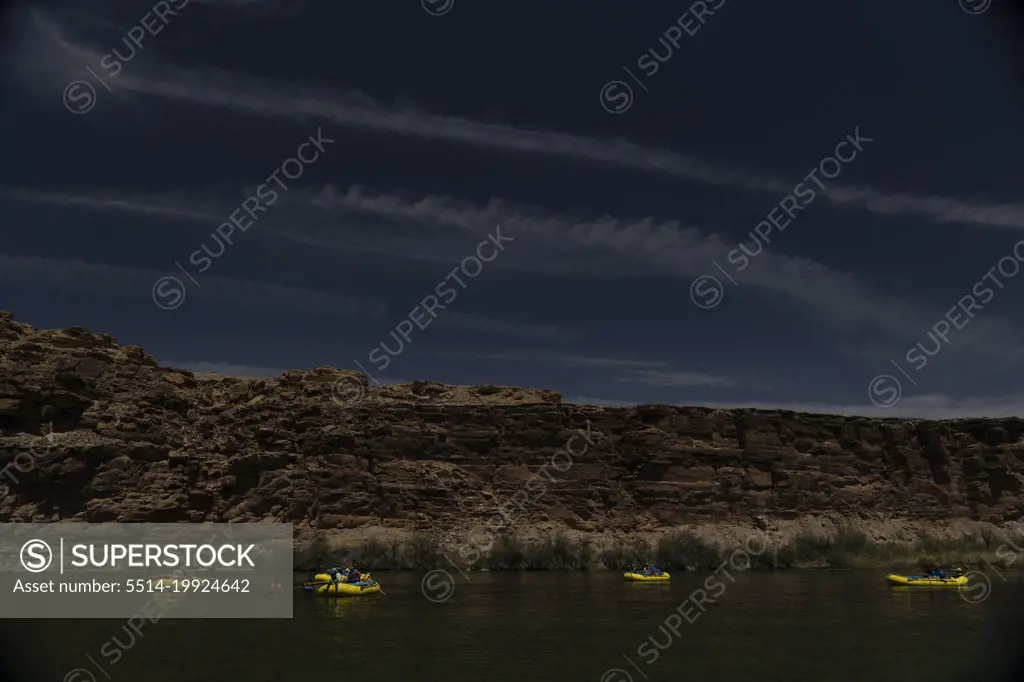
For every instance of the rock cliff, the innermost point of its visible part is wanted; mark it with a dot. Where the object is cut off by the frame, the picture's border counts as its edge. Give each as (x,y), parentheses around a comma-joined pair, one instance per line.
(94,431)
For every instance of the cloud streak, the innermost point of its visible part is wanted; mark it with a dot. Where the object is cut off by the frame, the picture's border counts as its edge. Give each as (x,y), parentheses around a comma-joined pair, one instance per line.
(933,406)
(225,368)
(261,8)
(98,279)
(230,291)
(644,372)
(258,97)
(439,226)
(676,379)
(673,249)
(245,371)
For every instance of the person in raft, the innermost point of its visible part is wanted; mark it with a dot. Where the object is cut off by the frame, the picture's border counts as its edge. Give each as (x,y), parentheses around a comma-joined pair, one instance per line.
(943,574)
(335,576)
(647,570)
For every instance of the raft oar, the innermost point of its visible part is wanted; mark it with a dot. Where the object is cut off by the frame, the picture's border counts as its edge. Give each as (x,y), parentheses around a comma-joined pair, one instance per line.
(311,583)
(381,589)
(329,582)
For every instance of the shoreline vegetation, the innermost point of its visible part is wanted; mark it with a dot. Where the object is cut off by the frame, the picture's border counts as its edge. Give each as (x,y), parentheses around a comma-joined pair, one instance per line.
(845,547)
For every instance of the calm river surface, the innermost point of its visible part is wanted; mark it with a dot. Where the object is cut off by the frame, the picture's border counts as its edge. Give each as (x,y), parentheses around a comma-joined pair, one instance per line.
(787,626)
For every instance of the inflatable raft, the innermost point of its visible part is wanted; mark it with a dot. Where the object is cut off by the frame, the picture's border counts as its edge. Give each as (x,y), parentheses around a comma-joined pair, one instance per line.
(347,589)
(641,578)
(925,581)
(322,585)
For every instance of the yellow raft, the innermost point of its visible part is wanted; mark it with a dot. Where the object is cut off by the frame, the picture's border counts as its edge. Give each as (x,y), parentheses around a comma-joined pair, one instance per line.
(322,585)
(641,578)
(924,581)
(347,590)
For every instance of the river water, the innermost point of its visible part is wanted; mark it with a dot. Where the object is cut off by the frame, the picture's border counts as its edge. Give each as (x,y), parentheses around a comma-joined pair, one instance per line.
(589,627)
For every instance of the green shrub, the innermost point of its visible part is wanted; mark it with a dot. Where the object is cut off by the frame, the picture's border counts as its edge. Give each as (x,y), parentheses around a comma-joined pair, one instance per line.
(588,555)
(423,553)
(507,554)
(619,556)
(851,540)
(376,554)
(313,555)
(808,547)
(686,551)
(784,557)
(554,553)
(846,547)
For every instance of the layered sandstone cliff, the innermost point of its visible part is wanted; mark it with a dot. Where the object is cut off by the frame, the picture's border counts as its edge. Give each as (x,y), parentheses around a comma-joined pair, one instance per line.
(93,431)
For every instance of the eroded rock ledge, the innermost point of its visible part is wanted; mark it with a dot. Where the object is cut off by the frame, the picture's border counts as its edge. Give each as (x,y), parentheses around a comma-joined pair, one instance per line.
(134,441)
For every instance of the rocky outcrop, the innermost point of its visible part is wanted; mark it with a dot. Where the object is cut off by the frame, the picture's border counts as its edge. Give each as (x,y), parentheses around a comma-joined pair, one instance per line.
(94,431)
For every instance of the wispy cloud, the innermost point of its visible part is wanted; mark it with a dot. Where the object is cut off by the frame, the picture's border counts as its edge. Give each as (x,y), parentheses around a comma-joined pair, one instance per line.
(615,363)
(511,328)
(261,8)
(119,282)
(225,368)
(206,210)
(670,248)
(140,205)
(618,369)
(248,371)
(656,373)
(567,243)
(258,97)
(933,406)
(668,377)
(558,359)
(676,379)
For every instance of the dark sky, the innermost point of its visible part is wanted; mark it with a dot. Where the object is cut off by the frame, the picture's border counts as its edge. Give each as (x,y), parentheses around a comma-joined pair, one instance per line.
(445,126)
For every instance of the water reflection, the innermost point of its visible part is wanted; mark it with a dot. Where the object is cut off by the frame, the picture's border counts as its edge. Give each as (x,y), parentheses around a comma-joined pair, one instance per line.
(815,626)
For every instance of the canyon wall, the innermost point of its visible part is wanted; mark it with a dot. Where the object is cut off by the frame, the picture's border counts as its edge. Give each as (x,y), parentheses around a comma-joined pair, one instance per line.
(94,431)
